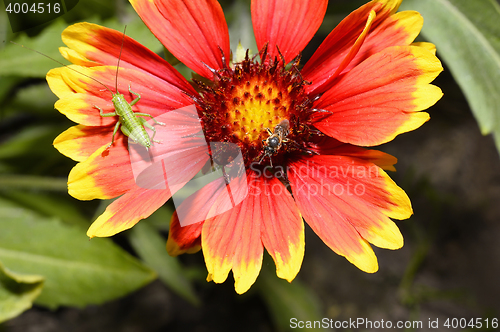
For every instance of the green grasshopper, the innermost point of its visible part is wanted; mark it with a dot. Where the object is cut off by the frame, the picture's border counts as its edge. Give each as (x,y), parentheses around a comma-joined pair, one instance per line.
(130,122)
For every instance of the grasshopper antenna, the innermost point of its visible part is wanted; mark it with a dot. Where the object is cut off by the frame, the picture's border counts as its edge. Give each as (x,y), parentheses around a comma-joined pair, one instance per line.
(119,58)
(62,64)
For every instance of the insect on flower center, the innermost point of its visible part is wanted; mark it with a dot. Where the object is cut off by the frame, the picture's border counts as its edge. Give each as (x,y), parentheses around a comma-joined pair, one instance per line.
(248,102)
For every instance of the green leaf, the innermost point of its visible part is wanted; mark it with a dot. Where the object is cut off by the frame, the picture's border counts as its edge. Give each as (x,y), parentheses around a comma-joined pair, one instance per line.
(40,136)
(5,29)
(150,246)
(34,99)
(6,85)
(286,300)
(17,292)
(23,62)
(77,271)
(466,34)
(46,205)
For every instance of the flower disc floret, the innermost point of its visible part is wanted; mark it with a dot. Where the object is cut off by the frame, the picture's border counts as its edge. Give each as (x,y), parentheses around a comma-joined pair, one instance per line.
(249,98)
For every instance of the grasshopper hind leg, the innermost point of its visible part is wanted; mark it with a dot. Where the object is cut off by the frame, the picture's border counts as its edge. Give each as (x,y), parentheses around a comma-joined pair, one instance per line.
(153,129)
(150,116)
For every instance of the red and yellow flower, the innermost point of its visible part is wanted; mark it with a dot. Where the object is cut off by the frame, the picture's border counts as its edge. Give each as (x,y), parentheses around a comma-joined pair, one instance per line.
(365,84)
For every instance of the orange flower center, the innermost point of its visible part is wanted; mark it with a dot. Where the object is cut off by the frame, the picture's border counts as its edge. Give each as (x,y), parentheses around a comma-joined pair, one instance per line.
(246,104)
(256,103)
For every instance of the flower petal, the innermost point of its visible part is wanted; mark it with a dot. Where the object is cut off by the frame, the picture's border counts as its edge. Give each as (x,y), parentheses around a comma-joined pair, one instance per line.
(105,174)
(428,46)
(178,155)
(80,142)
(103,46)
(380,98)
(75,100)
(348,201)
(330,146)
(155,173)
(183,239)
(282,227)
(79,95)
(207,196)
(387,29)
(355,48)
(187,237)
(110,172)
(328,75)
(232,240)
(127,210)
(287,25)
(399,29)
(194,32)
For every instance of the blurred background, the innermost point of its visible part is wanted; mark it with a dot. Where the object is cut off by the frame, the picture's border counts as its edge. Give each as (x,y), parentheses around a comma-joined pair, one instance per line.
(448,268)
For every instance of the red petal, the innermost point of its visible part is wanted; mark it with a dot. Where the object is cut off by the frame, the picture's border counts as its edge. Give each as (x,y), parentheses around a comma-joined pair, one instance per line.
(108,173)
(80,142)
(232,240)
(192,31)
(330,146)
(282,227)
(160,171)
(183,239)
(127,210)
(288,25)
(178,156)
(104,46)
(388,29)
(347,202)
(399,29)
(381,97)
(186,237)
(105,174)
(355,48)
(79,94)
(212,199)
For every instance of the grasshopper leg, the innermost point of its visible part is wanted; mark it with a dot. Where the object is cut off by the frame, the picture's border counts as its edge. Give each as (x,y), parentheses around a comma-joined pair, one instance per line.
(147,125)
(114,133)
(132,103)
(101,112)
(150,116)
(139,113)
